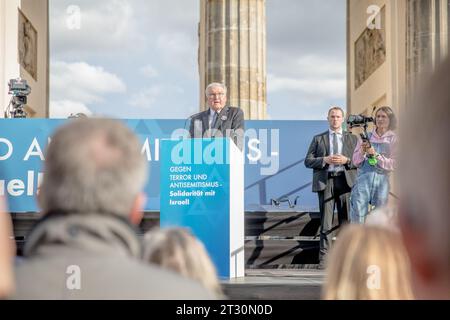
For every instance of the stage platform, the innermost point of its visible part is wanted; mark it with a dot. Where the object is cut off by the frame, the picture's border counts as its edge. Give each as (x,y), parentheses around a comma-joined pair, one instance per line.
(281,250)
(276,284)
(277,239)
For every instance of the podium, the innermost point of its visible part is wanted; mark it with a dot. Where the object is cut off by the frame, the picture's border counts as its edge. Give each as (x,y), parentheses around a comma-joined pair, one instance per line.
(202,189)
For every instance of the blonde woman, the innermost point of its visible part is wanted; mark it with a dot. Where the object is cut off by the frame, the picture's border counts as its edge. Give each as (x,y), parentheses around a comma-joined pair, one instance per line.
(376,160)
(368,263)
(177,249)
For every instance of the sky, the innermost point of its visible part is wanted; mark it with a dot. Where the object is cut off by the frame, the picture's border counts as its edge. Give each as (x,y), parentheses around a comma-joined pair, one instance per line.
(138,58)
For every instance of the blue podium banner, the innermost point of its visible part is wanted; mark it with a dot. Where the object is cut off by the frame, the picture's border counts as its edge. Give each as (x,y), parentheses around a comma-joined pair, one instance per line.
(274,152)
(196,194)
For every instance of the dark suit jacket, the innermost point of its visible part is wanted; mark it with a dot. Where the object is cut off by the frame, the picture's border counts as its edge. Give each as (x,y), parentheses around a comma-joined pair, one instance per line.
(230,123)
(320,148)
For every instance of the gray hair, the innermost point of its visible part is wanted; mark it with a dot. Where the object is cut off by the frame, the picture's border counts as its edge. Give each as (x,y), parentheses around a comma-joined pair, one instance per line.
(93,166)
(213,85)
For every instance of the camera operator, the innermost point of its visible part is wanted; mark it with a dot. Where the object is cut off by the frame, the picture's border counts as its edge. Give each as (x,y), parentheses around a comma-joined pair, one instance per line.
(375,159)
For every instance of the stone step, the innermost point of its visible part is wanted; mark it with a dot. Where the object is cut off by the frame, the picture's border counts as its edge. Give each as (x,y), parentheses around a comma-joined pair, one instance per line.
(280,252)
(282,224)
(276,284)
(272,239)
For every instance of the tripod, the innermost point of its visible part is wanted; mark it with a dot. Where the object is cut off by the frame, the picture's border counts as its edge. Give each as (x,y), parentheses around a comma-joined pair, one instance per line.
(15,108)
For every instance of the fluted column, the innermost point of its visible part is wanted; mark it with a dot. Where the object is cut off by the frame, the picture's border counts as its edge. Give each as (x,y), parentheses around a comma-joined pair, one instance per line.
(427,38)
(232,50)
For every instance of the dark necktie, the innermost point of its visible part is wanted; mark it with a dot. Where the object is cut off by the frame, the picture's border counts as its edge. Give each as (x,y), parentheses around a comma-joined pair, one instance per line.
(335,144)
(214,120)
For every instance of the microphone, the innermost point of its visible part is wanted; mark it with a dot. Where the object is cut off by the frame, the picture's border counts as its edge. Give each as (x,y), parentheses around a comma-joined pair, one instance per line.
(373,109)
(189,119)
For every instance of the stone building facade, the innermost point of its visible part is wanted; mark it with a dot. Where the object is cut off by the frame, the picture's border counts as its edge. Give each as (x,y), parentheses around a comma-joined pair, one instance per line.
(391,47)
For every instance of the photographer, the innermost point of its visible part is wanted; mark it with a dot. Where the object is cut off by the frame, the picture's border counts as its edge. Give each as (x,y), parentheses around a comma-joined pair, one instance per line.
(375,159)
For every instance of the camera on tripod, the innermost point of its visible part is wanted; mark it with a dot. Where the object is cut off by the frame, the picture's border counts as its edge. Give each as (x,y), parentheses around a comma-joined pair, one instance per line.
(19,89)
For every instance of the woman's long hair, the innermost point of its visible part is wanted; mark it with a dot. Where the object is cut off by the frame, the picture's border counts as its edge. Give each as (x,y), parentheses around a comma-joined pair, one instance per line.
(368,263)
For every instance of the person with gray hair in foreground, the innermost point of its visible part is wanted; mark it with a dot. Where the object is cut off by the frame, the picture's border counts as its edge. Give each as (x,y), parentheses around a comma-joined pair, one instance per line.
(424,217)
(86,247)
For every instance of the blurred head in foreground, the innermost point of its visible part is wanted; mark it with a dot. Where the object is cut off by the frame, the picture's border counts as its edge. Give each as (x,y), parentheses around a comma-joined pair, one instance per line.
(177,249)
(367,263)
(85,246)
(94,166)
(424,185)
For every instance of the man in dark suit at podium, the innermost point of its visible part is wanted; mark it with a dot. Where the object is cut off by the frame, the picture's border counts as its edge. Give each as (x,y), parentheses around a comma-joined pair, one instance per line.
(330,155)
(219,120)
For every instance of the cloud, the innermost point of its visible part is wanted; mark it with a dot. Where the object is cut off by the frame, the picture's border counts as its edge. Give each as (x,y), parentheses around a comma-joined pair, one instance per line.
(146,98)
(82,82)
(306,27)
(319,66)
(64,108)
(120,27)
(178,51)
(155,96)
(104,25)
(313,79)
(79,87)
(318,88)
(306,88)
(140,40)
(306,58)
(149,71)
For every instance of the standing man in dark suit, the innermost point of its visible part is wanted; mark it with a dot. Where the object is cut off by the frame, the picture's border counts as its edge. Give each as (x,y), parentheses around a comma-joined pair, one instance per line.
(219,120)
(330,155)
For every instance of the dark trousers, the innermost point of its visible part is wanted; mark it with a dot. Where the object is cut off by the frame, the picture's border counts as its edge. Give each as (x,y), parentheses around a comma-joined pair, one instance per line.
(336,193)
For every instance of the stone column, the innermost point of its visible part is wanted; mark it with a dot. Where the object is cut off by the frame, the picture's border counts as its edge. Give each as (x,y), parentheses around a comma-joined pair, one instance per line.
(232,50)
(427,38)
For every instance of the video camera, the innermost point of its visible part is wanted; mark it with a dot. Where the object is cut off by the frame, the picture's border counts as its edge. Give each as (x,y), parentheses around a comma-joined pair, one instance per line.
(355,121)
(358,120)
(19,89)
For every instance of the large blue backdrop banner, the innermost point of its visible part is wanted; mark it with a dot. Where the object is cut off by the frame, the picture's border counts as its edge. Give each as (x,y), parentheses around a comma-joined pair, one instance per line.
(274,154)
